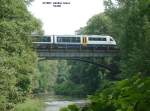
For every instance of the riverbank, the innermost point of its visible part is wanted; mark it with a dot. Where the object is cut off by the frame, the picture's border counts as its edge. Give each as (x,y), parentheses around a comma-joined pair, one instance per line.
(30,105)
(47,102)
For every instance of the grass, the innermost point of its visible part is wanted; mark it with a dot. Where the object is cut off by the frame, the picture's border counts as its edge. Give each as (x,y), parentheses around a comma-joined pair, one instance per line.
(30,105)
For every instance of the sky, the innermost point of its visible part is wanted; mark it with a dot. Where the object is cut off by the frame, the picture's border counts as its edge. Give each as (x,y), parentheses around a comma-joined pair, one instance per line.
(65,19)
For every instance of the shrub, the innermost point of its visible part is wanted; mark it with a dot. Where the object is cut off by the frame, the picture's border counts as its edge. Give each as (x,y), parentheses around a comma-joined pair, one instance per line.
(30,105)
(64,109)
(73,107)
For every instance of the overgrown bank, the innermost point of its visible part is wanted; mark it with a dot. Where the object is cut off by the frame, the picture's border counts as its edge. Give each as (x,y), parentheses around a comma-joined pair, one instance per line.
(30,105)
(17,59)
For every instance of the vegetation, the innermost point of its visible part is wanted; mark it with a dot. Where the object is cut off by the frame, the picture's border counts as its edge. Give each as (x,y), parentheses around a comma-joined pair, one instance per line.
(129,24)
(71,107)
(45,78)
(128,21)
(30,105)
(17,60)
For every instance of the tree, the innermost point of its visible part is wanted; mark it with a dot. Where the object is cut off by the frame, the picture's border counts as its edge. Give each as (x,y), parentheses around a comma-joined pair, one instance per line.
(99,24)
(46,76)
(17,60)
(132,21)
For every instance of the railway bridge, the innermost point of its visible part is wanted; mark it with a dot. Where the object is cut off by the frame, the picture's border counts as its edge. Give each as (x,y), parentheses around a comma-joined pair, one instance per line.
(74,46)
(47,51)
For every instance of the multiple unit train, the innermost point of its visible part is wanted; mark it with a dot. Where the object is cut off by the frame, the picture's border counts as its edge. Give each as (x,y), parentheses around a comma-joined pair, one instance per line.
(74,41)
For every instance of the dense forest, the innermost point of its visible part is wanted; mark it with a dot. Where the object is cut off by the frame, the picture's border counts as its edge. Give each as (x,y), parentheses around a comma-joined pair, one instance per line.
(23,76)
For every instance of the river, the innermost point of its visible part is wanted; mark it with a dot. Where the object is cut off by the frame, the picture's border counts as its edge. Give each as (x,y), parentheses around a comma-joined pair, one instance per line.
(56,105)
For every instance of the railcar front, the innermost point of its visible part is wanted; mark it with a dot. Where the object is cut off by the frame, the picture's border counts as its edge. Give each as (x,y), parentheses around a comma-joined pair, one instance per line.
(100,42)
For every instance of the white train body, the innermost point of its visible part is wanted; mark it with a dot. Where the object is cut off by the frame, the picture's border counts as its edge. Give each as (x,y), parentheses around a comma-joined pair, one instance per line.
(77,40)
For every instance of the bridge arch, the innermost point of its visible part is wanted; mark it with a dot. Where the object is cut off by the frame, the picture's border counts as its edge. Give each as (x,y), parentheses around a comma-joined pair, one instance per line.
(113,69)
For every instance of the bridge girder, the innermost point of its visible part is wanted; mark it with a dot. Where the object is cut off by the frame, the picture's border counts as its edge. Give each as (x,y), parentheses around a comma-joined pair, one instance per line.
(77,54)
(110,67)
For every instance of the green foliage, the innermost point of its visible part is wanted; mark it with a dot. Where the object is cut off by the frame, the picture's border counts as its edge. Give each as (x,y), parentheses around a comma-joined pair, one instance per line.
(86,75)
(74,80)
(98,24)
(30,105)
(125,95)
(64,109)
(17,60)
(64,85)
(71,107)
(70,89)
(63,71)
(46,76)
(130,21)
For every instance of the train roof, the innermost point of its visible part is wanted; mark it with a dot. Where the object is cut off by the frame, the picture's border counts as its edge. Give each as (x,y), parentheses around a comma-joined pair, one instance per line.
(72,35)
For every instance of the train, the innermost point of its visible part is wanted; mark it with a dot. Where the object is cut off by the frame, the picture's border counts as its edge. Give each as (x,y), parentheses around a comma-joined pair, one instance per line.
(74,41)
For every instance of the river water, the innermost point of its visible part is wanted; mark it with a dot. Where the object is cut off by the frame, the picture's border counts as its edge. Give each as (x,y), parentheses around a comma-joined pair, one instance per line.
(55,105)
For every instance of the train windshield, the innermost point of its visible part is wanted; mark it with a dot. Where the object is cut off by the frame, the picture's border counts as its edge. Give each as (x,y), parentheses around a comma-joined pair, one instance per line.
(96,39)
(111,39)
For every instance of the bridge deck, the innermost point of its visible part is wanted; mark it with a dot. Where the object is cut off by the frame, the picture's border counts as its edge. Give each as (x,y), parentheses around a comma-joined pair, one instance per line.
(75,53)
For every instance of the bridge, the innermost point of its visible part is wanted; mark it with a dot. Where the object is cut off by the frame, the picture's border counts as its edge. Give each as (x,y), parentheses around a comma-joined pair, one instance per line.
(63,53)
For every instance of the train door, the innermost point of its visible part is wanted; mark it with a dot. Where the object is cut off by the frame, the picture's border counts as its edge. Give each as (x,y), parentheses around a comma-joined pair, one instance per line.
(84,41)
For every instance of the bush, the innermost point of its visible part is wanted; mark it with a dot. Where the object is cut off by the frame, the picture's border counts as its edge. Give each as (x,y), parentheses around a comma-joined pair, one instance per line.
(30,105)
(126,95)
(70,89)
(71,107)
(64,109)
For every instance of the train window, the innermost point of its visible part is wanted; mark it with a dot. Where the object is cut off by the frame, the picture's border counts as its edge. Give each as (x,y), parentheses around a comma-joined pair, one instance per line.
(75,39)
(103,39)
(58,39)
(62,39)
(68,39)
(46,39)
(41,39)
(97,39)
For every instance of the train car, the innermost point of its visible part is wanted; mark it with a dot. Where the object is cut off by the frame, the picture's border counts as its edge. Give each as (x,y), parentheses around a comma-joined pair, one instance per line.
(97,42)
(67,41)
(100,41)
